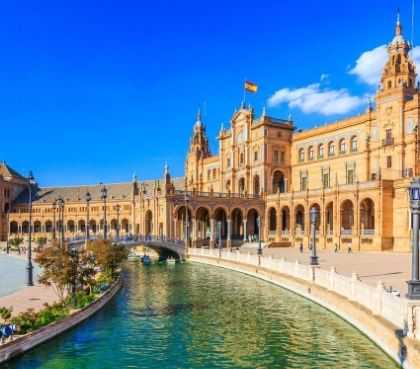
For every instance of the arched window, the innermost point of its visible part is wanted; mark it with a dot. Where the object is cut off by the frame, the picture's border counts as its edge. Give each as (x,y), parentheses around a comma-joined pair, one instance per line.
(321,151)
(331,149)
(343,146)
(228,186)
(311,153)
(256,185)
(353,144)
(301,155)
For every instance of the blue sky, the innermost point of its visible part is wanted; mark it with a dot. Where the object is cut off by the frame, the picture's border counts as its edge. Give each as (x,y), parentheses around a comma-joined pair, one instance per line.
(96,90)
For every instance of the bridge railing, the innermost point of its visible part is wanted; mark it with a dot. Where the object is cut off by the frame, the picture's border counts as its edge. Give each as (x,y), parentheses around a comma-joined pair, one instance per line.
(376,299)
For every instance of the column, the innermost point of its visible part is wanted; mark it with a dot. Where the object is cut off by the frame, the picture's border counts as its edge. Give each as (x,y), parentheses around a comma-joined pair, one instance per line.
(229,233)
(245,235)
(194,232)
(212,232)
(278,225)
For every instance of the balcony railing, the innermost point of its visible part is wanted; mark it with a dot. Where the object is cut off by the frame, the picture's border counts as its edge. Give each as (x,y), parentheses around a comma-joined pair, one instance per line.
(346,232)
(228,195)
(368,232)
(388,141)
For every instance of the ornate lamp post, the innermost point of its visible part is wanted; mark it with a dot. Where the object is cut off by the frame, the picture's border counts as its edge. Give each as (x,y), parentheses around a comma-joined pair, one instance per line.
(88,198)
(104,195)
(60,205)
(54,220)
(186,199)
(219,226)
(8,230)
(314,217)
(118,207)
(414,283)
(260,251)
(29,266)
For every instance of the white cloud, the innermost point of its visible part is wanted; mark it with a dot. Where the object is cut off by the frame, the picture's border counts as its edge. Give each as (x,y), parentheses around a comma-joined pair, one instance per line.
(370,64)
(315,99)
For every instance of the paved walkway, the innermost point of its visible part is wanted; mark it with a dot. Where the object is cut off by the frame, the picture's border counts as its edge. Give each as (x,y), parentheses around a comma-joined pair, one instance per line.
(393,269)
(29,298)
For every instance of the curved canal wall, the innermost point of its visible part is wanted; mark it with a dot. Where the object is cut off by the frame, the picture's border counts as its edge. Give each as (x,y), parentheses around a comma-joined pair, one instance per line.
(24,343)
(393,323)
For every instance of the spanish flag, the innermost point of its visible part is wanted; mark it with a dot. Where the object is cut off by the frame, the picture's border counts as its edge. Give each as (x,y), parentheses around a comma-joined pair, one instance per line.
(251,86)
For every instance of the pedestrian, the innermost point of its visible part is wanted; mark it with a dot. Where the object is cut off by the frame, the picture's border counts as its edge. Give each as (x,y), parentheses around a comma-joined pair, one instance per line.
(301,247)
(349,250)
(336,248)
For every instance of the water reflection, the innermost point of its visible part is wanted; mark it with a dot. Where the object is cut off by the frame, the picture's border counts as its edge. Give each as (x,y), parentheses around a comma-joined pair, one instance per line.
(192,316)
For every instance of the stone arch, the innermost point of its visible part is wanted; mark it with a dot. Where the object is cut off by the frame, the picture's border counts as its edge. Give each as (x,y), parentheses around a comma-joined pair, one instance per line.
(278,183)
(13,227)
(285,219)
(81,225)
(37,226)
(25,227)
(347,216)
(252,226)
(182,215)
(272,220)
(71,226)
(220,217)
(237,224)
(329,218)
(92,226)
(318,208)
(299,218)
(367,215)
(202,218)
(125,227)
(113,224)
(48,226)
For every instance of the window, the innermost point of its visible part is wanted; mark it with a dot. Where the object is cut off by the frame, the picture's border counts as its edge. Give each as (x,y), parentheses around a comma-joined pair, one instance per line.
(276,156)
(214,173)
(303,181)
(321,151)
(301,155)
(388,137)
(389,161)
(343,146)
(326,179)
(350,176)
(311,153)
(208,174)
(255,155)
(241,158)
(353,144)
(228,162)
(331,149)
(282,157)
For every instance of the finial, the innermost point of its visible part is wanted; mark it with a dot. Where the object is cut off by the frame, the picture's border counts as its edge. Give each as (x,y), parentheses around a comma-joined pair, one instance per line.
(134,178)
(264,113)
(398,28)
(166,168)
(289,117)
(222,128)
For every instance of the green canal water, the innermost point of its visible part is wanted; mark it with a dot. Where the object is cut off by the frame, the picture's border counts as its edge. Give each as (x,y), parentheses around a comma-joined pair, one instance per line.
(192,316)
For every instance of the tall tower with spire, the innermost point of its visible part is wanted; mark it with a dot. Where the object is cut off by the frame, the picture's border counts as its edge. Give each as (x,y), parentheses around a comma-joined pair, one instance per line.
(390,135)
(198,151)
(399,73)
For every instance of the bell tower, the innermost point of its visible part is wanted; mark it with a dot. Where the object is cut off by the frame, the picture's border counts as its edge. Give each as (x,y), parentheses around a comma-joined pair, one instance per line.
(397,89)
(399,74)
(198,151)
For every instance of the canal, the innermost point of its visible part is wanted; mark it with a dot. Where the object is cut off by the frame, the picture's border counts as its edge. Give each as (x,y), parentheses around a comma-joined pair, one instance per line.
(191,316)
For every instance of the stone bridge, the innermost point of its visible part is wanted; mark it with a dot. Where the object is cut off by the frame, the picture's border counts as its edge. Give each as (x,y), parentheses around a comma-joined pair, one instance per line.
(165,248)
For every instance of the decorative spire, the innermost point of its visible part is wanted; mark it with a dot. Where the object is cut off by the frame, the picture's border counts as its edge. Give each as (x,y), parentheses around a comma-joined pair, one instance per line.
(398,28)
(289,117)
(166,169)
(264,113)
(198,119)
(134,178)
(222,128)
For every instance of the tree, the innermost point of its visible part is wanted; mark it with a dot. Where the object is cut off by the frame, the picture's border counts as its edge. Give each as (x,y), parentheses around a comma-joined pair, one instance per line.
(5,314)
(41,242)
(15,242)
(108,256)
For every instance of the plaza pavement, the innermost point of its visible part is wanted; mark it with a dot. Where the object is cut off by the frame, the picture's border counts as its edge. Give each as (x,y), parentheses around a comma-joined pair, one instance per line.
(393,269)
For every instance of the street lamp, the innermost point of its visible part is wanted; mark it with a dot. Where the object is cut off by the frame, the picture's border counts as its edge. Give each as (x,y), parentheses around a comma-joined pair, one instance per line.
(104,195)
(29,266)
(74,255)
(60,205)
(186,199)
(88,197)
(8,230)
(54,219)
(260,251)
(219,226)
(118,207)
(414,283)
(314,217)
